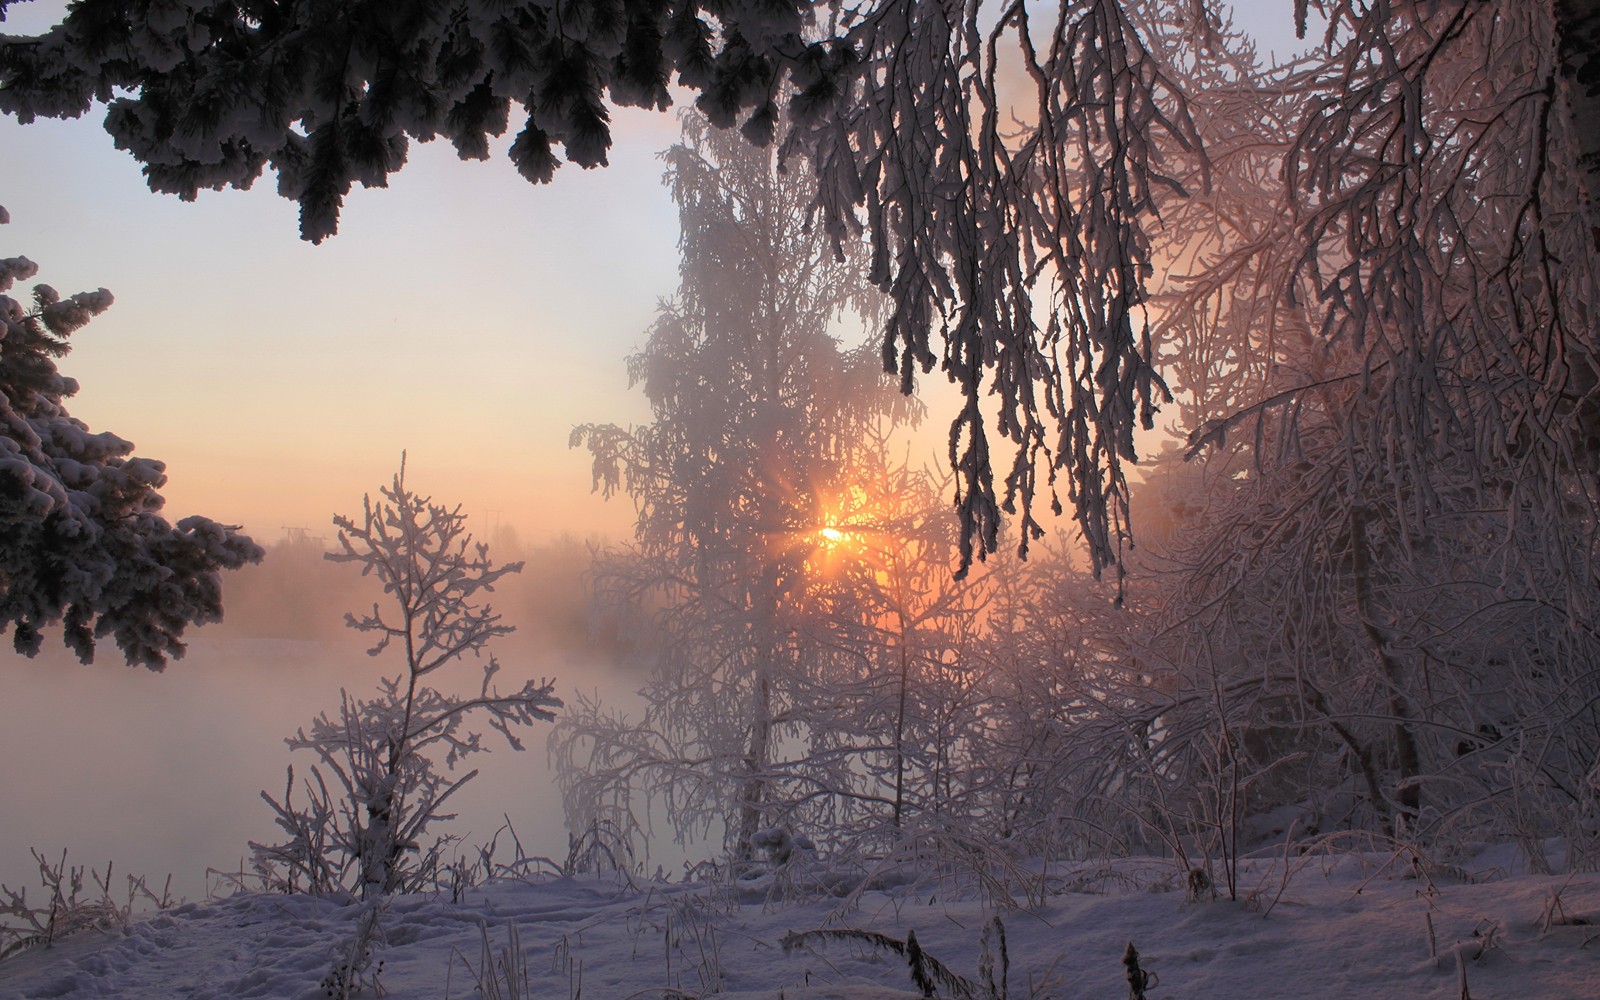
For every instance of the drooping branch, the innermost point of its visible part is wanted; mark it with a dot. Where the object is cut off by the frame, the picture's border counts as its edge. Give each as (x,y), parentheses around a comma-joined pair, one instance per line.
(899,108)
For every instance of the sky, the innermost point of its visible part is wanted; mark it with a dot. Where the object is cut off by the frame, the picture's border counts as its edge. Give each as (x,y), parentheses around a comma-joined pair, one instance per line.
(462,315)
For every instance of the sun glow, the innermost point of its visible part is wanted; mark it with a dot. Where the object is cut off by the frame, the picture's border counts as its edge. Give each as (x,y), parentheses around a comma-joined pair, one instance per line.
(833,548)
(843,519)
(833,544)
(839,532)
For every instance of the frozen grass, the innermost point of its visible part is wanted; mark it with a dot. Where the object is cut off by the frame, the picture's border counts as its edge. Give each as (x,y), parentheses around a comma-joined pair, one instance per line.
(66,907)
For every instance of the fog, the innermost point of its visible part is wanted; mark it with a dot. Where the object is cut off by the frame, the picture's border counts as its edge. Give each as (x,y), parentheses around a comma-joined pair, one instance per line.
(161,773)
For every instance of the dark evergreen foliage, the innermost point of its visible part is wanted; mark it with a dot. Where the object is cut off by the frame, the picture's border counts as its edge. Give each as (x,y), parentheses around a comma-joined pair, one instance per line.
(83,544)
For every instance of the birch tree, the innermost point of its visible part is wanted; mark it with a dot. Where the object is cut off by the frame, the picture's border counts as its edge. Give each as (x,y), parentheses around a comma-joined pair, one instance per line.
(1390,377)
(756,409)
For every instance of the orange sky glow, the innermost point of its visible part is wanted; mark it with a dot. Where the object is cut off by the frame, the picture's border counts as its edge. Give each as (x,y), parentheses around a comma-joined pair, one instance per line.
(462,315)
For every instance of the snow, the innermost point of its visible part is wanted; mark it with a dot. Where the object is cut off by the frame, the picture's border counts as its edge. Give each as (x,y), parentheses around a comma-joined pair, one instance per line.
(1346,924)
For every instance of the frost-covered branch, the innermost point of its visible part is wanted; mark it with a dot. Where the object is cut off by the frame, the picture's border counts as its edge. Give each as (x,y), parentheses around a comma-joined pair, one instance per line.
(1014,256)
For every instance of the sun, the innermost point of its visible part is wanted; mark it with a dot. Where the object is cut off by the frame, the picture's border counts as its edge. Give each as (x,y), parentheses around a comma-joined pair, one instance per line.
(833,542)
(832,537)
(839,526)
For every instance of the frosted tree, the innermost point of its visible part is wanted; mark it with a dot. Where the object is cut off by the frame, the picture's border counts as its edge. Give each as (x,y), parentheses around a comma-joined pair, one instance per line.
(84,545)
(1422,684)
(912,697)
(1479,357)
(901,114)
(1443,251)
(1392,528)
(1363,282)
(383,754)
(756,410)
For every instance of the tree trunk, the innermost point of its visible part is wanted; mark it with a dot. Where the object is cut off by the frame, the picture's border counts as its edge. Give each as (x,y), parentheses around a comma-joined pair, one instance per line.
(1578,36)
(1408,759)
(752,788)
(1578,41)
(900,733)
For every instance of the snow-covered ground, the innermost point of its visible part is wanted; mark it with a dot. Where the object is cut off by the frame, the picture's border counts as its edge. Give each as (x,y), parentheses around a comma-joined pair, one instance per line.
(1345,924)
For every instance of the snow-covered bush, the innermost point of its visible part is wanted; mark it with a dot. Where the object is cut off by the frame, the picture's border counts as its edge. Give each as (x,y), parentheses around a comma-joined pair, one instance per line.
(384,754)
(780,845)
(83,544)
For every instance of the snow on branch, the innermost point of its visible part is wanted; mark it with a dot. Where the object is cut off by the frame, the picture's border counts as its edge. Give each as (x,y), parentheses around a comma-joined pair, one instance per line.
(83,544)
(900,110)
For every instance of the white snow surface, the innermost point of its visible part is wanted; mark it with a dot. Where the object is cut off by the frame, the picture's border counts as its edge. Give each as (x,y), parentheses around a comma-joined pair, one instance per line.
(1349,925)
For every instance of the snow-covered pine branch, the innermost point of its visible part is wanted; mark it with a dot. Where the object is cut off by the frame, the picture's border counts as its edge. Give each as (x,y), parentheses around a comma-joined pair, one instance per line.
(83,545)
(1014,256)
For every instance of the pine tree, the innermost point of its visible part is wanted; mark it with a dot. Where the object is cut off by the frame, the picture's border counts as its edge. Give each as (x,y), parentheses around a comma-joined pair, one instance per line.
(83,544)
